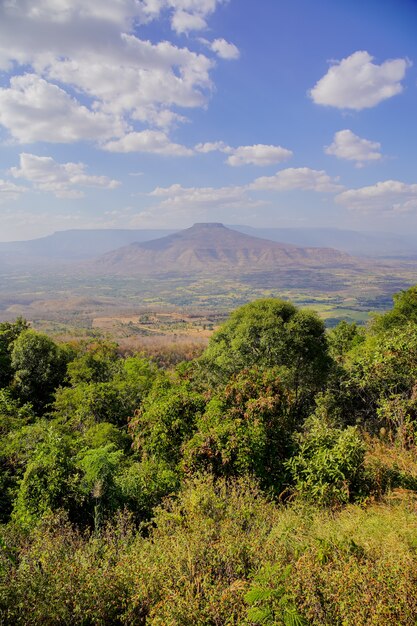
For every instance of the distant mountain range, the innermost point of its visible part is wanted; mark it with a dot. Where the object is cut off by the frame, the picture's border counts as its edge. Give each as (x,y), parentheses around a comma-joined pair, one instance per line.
(213,248)
(78,245)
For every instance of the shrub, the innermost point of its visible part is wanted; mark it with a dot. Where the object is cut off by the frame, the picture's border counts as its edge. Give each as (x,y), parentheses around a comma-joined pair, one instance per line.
(328,466)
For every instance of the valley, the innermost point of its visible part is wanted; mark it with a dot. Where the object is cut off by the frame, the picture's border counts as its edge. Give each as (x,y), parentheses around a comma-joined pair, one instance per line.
(204,271)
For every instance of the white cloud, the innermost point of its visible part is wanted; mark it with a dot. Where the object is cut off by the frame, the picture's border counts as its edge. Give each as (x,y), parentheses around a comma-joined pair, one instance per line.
(89,76)
(34,110)
(347,145)
(177,196)
(10,191)
(357,83)
(181,199)
(183,22)
(213,146)
(297,178)
(153,141)
(191,15)
(63,180)
(258,154)
(386,196)
(224,49)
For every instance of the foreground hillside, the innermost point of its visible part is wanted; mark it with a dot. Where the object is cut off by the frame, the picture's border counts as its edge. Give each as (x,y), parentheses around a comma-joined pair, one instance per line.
(271,480)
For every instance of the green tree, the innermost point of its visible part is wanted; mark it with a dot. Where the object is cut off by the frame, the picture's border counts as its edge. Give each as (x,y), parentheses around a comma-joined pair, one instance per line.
(403,311)
(99,466)
(46,483)
(166,419)
(39,367)
(9,332)
(246,428)
(269,333)
(343,337)
(96,362)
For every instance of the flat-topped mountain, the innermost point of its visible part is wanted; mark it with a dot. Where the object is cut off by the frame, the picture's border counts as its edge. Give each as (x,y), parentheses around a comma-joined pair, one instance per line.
(210,247)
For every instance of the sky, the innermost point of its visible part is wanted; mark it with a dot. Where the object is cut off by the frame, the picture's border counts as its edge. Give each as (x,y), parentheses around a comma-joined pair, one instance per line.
(163,113)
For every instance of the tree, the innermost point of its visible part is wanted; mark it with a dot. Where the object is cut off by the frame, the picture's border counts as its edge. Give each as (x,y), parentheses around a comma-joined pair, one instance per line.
(99,466)
(269,333)
(9,332)
(246,428)
(403,311)
(95,363)
(166,419)
(39,367)
(46,483)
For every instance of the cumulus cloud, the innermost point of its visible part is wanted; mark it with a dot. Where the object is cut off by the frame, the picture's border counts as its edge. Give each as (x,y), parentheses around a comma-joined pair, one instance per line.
(10,191)
(297,178)
(153,141)
(90,76)
(35,110)
(386,196)
(347,145)
(357,83)
(258,154)
(63,180)
(224,49)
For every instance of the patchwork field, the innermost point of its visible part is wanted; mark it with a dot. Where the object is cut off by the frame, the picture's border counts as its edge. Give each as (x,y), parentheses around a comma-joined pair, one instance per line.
(190,307)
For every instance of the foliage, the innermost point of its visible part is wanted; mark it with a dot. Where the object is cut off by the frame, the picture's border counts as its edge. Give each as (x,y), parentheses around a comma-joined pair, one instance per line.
(46,482)
(134,495)
(166,419)
(269,333)
(206,551)
(99,466)
(95,363)
(245,429)
(270,601)
(9,332)
(327,468)
(39,367)
(343,337)
(403,311)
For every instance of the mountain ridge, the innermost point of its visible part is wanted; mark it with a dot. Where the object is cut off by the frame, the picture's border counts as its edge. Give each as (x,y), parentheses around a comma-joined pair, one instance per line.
(211,246)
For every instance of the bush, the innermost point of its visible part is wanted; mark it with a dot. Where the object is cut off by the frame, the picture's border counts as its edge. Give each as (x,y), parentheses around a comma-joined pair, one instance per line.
(329,464)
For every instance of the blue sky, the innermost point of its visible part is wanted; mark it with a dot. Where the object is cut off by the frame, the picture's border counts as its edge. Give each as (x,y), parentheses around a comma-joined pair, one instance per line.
(161,113)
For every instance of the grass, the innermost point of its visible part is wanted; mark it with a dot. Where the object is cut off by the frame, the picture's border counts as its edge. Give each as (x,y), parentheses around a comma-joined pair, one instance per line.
(216,555)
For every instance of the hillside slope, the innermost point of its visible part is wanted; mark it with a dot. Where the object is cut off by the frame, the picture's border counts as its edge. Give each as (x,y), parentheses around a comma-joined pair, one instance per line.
(213,247)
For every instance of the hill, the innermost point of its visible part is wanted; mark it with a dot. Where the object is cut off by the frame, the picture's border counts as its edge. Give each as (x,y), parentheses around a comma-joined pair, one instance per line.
(76,245)
(211,247)
(73,245)
(366,244)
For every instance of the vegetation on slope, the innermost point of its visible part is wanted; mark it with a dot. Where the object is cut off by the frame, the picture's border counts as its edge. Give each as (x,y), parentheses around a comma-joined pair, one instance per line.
(270,481)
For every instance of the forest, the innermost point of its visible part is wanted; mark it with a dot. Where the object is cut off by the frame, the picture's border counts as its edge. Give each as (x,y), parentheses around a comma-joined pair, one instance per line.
(269,480)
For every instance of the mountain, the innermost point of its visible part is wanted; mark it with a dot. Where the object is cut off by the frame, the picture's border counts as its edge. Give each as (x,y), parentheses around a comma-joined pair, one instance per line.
(213,248)
(78,244)
(367,244)
(73,245)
